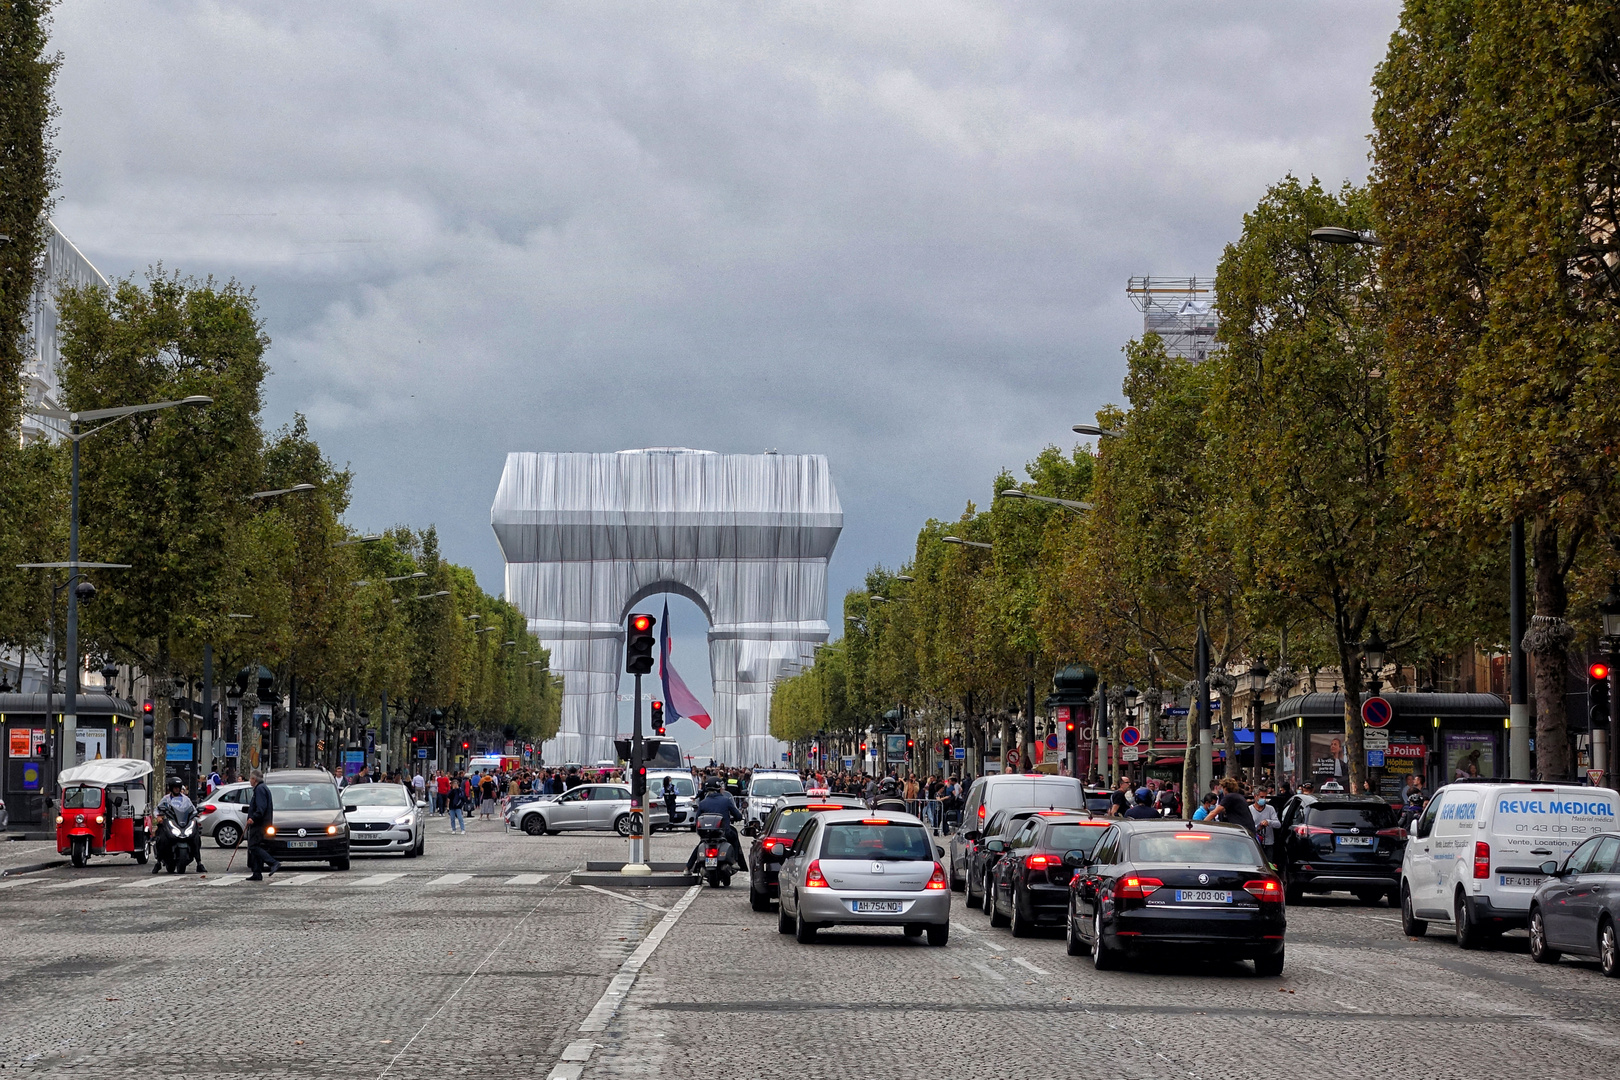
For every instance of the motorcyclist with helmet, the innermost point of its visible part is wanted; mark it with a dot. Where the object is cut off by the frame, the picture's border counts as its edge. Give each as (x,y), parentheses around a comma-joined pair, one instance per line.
(177,804)
(889,796)
(716,801)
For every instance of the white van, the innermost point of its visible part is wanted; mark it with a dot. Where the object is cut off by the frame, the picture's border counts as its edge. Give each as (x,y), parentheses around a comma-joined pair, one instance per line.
(996,792)
(1474,857)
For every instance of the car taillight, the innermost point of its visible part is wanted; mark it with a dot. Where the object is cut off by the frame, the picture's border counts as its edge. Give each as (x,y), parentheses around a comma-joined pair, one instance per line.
(813,878)
(1392,834)
(981,813)
(713,853)
(1482,859)
(208,809)
(938,880)
(1136,888)
(1039,862)
(1264,889)
(1311,830)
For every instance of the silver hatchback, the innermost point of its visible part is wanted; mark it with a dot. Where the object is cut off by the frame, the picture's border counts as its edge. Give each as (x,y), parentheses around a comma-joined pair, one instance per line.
(859,868)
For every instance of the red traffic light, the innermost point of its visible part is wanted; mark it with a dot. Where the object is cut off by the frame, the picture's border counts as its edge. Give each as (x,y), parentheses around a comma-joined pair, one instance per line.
(1598,671)
(464,746)
(641,623)
(910,744)
(1070,726)
(146,707)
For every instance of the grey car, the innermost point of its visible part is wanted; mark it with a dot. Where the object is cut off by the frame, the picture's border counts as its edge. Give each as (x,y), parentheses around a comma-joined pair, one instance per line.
(860,868)
(588,806)
(223,815)
(1576,910)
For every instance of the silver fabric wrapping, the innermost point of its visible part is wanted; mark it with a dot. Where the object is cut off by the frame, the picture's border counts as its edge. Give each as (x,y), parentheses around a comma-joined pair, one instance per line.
(747,537)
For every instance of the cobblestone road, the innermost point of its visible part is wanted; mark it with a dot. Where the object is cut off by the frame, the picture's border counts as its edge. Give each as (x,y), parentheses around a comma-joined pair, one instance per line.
(481,960)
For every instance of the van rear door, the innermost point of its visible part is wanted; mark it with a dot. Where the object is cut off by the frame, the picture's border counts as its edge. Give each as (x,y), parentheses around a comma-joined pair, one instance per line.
(1536,823)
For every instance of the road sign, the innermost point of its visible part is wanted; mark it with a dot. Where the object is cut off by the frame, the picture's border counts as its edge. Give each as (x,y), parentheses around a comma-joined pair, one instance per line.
(959,753)
(231,749)
(784,757)
(1375,739)
(1377,712)
(1130,735)
(1051,742)
(421,751)
(1375,759)
(1012,759)
(1129,753)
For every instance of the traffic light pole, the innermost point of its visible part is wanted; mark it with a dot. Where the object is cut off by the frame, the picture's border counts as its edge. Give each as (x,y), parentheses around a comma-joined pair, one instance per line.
(637,866)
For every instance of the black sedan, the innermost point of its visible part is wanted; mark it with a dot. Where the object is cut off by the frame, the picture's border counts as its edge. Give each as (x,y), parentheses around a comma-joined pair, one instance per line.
(1161,886)
(773,841)
(1576,910)
(1348,842)
(985,848)
(1030,885)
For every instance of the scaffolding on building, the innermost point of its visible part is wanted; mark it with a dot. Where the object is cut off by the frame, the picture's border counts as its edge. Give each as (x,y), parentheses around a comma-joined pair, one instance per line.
(1181,311)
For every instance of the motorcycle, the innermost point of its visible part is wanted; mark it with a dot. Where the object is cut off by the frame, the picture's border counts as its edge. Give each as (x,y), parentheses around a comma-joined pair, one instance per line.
(177,843)
(719,858)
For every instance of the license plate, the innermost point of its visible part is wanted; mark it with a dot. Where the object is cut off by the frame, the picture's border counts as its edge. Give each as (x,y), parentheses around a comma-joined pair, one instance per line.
(886,907)
(300,843)
(711,862)
(1203,896)
(1355,841)
(1526,881)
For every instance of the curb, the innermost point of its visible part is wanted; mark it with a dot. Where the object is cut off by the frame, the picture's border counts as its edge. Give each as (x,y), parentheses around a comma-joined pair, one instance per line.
(12,871)
(619,881)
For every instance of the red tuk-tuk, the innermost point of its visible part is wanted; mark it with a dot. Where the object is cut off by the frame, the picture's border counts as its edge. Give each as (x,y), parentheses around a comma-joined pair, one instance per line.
(104,809)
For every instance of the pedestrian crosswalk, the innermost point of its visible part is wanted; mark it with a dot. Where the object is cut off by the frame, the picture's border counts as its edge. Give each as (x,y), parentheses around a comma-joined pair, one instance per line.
(322,879)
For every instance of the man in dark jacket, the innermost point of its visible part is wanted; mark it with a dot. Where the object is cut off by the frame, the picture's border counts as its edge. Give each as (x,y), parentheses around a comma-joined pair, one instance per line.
(260,815)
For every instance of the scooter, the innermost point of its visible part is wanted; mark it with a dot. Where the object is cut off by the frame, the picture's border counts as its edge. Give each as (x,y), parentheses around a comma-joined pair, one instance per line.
(177,844)
(719,857)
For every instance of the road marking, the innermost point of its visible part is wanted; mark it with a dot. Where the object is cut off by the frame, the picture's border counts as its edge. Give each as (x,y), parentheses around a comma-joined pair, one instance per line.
(376,879)
(1021,962)
(996,975)
(220,882)
(608,1005)
(451,879)
(80,881)
(298,879)
(526,879)
(626,899)
(151,880)
(17,883)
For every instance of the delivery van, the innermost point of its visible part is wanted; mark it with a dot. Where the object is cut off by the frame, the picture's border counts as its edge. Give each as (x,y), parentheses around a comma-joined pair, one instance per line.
(1474,857)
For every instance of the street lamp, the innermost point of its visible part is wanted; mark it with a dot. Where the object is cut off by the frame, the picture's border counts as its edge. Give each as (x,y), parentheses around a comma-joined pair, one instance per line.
(70,715)
(424,596)
(907,578)
(965,543)
(1071,504)
(1256,681)
(278,491)
(369,539)
(1098,432)
(1374,649)
(1334,234)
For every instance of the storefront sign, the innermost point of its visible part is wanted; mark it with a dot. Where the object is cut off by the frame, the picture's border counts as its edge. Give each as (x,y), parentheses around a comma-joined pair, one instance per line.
(22,745)
(1413,751)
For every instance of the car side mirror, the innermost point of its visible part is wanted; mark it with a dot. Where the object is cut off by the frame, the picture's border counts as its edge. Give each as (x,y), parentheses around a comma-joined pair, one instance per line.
(939,852)
(421,804)
(972,834)
(350,809)
(995,845)
(751,829)
(1551,868)
(1074,859)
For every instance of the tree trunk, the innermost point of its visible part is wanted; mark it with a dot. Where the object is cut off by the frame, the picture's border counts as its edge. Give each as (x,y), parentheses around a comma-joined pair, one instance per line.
(1355,755)
(1548,641)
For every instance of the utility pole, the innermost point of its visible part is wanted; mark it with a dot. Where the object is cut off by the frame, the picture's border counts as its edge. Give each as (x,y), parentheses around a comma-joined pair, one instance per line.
(1518,673)
(1206,747)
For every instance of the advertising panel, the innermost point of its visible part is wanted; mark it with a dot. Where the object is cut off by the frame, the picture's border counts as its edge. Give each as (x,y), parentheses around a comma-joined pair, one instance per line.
(1325,753)
(1470,755)
(21,744)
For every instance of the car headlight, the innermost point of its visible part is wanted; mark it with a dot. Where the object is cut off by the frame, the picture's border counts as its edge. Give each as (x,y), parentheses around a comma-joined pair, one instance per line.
(406,820)
(269,830)
(333,830)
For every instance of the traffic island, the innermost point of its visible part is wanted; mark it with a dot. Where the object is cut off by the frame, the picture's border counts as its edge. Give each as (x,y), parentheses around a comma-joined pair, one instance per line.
(665,875)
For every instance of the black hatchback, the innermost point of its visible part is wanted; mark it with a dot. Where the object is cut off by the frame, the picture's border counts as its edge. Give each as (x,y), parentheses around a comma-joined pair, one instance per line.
(1169,887)
(1030,885)
(1348,842)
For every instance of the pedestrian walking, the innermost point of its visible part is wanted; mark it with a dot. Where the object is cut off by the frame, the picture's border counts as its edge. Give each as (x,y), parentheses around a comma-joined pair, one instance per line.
(1266,823)
(260,816)
(456,802)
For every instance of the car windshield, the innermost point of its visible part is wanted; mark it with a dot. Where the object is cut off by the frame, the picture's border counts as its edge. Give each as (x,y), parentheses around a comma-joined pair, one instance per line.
(1367,815)
(865,840)
(291,797)
(81,798)
(682,784)
(375,795)
(773,786)
(1203,848)
(1073,837)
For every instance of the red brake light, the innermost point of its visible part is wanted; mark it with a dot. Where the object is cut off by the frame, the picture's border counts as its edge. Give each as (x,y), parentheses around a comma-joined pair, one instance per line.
(813,878)
(713,853)
(981,813)
(1192,836)
(1136,888)
(1311,830)
(1482,859)
(1264,889)
(1053,813)
(874,821)
(1393,834)
(938,880)
(1039,862)
(825,806)
(209,808)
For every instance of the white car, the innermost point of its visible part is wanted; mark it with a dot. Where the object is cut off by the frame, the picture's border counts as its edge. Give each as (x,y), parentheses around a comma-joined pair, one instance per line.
(384,819)
(1474,858)
(223,815)
(765,787)
(685,795)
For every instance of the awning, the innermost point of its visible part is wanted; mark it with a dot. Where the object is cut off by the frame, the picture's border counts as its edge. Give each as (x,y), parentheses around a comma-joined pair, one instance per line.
(118,770)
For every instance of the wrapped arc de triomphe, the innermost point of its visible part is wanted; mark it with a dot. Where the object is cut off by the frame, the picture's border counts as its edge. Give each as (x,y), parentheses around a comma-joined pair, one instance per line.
(587,537)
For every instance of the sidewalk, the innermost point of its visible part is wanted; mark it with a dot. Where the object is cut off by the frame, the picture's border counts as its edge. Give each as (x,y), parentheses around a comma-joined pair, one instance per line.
(18,855)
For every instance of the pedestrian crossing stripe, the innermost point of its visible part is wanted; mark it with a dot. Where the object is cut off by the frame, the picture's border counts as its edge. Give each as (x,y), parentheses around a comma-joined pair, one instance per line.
(283,879)
(14,883)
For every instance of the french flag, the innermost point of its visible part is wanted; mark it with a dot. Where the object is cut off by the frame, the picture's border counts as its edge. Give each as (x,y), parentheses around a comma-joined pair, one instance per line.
(679,702)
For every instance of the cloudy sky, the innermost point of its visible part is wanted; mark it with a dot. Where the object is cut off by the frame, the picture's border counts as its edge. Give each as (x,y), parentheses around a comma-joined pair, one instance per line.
(897,234)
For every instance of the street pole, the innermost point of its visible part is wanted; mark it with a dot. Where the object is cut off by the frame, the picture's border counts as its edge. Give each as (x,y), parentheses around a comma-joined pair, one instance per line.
(382,754)
(1105,738)
(205,762)
(69,753)
(637,866)
(1206,747)
(1518,677)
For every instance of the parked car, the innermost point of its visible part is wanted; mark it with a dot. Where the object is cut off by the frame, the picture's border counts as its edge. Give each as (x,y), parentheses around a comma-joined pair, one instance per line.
(1576,910)
(223,815)
(588,806)
(991,793)
(385,819)
(1030,883)
(1347,842)
(856,868)
(309,825)
(1156,885)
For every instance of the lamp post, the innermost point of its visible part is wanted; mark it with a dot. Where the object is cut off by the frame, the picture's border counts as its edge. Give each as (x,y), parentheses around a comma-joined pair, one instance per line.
(1098,432)
(966,543)
(70,717)
(1069,504)
(1609,608)
(1374,649)
(1256,681)
(1131,698)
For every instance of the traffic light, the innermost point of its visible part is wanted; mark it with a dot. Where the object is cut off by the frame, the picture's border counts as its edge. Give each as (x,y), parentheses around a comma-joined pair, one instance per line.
(863,749)
(264,739)
(945,743)
(658,717)
(147,729)
(1597,695)
(638,645)
(1069,742)
(910,743)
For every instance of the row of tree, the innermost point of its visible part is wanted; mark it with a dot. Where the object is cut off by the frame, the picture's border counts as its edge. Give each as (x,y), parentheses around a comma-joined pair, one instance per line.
(1353,456)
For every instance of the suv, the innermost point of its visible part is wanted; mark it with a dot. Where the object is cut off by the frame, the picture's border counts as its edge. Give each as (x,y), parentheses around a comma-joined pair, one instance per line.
(1475,856)
(765,787)
(1351,842)
(991,793)
(307,823)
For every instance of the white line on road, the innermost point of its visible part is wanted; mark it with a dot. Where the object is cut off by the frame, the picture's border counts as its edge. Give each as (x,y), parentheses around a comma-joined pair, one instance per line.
(80,881)
(526,879)
(608,1005)
(219,882)
(17,883)
(1021,962)
(450,879)
(151,880)
(297,879)
(626,899)
(376,879)
(996,975)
